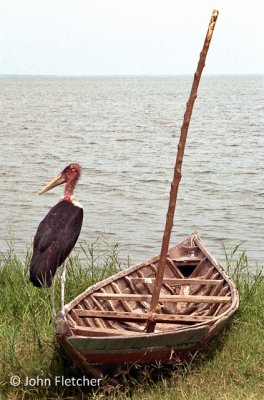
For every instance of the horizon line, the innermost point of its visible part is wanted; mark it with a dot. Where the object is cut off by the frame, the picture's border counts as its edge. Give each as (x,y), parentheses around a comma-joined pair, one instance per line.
(2,75)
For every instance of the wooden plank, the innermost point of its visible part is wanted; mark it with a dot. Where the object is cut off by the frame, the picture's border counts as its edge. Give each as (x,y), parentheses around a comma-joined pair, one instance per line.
(125,305)
(101,307)
(172,298)
(184,290)
(143,304)
(142,316)
(213,274)
(186,260)
(75,317)
(199,267)
(173,267)
(87,331)
(141,276)
(179,282)
(110,304)
(87,304)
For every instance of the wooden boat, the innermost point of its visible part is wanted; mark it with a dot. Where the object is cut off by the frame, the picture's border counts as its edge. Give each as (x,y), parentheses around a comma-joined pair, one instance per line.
(106,323)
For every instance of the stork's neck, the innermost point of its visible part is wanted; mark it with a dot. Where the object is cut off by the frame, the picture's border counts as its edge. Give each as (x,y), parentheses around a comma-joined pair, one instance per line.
(69,188)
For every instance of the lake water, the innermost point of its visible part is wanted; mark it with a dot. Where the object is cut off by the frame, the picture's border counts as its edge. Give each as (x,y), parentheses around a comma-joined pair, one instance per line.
(124,132)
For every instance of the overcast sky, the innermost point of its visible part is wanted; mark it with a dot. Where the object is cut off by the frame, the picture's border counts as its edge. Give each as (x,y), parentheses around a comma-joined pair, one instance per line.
(125,37)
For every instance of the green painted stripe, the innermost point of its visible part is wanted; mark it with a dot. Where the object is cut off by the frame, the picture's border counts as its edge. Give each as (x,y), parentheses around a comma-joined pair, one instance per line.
(180,339)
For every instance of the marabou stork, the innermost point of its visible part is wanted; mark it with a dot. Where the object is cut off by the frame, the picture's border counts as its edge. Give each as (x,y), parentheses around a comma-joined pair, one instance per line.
(58,232)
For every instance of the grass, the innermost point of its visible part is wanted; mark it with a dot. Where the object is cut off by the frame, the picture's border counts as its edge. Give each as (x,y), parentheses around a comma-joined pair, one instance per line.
(230,368)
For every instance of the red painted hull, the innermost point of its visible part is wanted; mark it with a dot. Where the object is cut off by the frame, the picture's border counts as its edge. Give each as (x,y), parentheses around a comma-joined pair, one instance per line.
(163,356)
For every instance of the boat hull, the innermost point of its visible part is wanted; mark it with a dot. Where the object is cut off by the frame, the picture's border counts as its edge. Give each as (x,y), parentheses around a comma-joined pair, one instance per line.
(106,324)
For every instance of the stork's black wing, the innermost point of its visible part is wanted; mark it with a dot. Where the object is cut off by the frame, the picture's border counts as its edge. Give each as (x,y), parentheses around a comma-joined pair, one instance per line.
(54,240)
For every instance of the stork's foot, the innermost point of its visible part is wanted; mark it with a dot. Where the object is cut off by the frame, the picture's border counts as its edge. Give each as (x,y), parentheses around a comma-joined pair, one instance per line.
(61,314)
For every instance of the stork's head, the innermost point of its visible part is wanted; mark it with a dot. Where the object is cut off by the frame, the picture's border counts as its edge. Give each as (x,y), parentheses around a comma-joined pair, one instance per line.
(69,175)
(71,172)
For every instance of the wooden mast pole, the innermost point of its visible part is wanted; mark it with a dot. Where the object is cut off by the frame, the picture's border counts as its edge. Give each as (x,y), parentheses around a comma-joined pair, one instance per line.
(177,172)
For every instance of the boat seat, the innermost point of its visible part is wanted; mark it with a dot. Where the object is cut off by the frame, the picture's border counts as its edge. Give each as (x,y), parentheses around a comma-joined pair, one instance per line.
(130,316)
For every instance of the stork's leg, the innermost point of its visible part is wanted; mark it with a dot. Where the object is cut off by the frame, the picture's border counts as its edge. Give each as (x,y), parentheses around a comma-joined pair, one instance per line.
(63,279)
(51,300)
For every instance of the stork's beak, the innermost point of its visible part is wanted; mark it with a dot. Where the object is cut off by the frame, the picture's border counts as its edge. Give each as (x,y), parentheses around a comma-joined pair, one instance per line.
(58,180)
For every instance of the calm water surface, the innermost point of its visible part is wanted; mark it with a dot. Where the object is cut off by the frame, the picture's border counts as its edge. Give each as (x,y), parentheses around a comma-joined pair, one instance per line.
(124,132)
